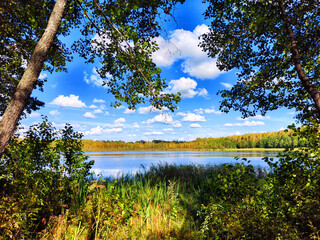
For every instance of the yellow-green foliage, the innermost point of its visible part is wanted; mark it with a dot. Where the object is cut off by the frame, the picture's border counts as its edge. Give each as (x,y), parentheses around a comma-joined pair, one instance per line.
(279,139)
(125,209)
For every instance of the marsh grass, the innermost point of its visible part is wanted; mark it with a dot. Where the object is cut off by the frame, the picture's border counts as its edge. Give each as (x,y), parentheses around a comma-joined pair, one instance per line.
(141,206)
(179,202)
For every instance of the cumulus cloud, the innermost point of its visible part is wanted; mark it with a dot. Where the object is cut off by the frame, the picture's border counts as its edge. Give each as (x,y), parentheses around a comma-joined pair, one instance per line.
(94,131)
(184,45)
(226,85)
(187,87)
(54,112)
(208,111)
(113,130)
(120,120)
(71,101)
(98,111)
(42,76)
(136,125)
(95,78)
(257,117)
(191,117)
(95,100)
(195,125)
(245,124)
(93,106)
(99,131)
(177,125)
(153,133)
(151,109)
(89,115)
(161,118)
(129,111)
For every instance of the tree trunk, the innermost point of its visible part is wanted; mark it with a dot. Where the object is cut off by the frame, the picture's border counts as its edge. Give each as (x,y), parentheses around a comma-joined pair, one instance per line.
(308,86)
(24,89)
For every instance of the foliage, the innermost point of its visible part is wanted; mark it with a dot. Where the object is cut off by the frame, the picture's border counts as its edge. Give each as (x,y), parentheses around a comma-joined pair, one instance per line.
(296,180)
(131,207)
(38,175)
(268,141)
(253,36)
(22,24)
(119,34)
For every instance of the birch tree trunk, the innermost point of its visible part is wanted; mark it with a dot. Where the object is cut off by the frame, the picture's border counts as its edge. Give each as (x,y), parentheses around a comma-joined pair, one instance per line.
(24,89)
(308,86)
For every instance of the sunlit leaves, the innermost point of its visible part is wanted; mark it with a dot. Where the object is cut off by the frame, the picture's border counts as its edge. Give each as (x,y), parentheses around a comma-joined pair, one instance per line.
(119,34)
(251,36)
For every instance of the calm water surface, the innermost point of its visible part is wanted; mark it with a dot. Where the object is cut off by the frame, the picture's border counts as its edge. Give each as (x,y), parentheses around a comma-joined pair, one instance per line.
(116,163)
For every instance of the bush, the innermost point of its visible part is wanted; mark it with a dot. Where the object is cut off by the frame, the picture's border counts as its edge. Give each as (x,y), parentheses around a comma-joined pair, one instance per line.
(38,176)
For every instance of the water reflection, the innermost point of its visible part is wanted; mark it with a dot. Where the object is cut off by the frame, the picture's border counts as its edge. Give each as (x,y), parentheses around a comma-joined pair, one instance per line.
(116,163)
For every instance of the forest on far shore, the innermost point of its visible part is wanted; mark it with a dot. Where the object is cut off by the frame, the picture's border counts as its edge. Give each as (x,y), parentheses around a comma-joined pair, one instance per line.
(280,139)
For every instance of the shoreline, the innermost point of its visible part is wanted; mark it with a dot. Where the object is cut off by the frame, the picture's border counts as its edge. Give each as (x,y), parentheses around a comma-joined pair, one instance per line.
(192,150)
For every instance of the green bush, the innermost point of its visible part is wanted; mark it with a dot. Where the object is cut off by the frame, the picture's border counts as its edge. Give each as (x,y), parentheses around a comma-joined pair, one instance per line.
(38,177)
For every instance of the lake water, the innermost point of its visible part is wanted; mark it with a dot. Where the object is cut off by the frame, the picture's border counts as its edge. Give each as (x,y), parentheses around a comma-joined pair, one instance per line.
(116,163)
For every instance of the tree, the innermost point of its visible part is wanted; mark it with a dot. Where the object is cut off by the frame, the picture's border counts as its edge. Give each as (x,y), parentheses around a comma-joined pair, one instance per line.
(124,45)
(275,45)
(22,93)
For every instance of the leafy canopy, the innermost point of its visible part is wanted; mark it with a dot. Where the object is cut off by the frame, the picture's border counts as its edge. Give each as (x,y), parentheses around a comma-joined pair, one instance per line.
(251,36)
(22,24)
(119,34)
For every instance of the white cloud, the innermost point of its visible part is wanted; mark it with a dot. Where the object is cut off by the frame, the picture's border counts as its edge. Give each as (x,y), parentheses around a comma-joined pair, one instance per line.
(106,113)
(153,133)
(95,100)
(201,69)
(99,130)
(191,117)
(95,78)
(71,101)
(129,111)
(89,115)
(42,76)
(245,124)
(113,130)
(116,123)
(98,111)
(136,125)
(208,111)
(151,109)
(34,114)
(93,106)
(184,45)
(168,129)
(94,131)
(177,125)
(195,125)
(258,117)
(187,88)
(226,85)
(54,112)
(161,118)
(120,120)
(203,92)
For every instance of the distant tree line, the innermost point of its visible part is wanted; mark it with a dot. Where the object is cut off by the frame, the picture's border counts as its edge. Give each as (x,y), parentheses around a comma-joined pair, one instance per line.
(280,139)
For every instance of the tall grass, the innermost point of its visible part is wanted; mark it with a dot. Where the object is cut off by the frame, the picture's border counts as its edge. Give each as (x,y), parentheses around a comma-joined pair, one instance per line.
(141,206)
(178,202)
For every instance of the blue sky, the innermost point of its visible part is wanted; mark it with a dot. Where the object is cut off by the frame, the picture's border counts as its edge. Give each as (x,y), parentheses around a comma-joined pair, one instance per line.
(78,98)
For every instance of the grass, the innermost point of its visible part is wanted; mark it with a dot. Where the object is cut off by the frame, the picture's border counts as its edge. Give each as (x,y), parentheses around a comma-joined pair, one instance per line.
(177,202)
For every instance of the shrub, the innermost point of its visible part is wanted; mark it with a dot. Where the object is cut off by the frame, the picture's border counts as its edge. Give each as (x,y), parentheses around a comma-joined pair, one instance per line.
(38,176)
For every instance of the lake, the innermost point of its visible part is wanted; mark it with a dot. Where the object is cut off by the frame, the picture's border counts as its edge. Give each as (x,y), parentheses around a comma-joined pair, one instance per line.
(116,163)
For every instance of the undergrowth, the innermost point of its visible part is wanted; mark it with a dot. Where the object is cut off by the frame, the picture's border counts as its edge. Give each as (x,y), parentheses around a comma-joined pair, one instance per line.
(48,193)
